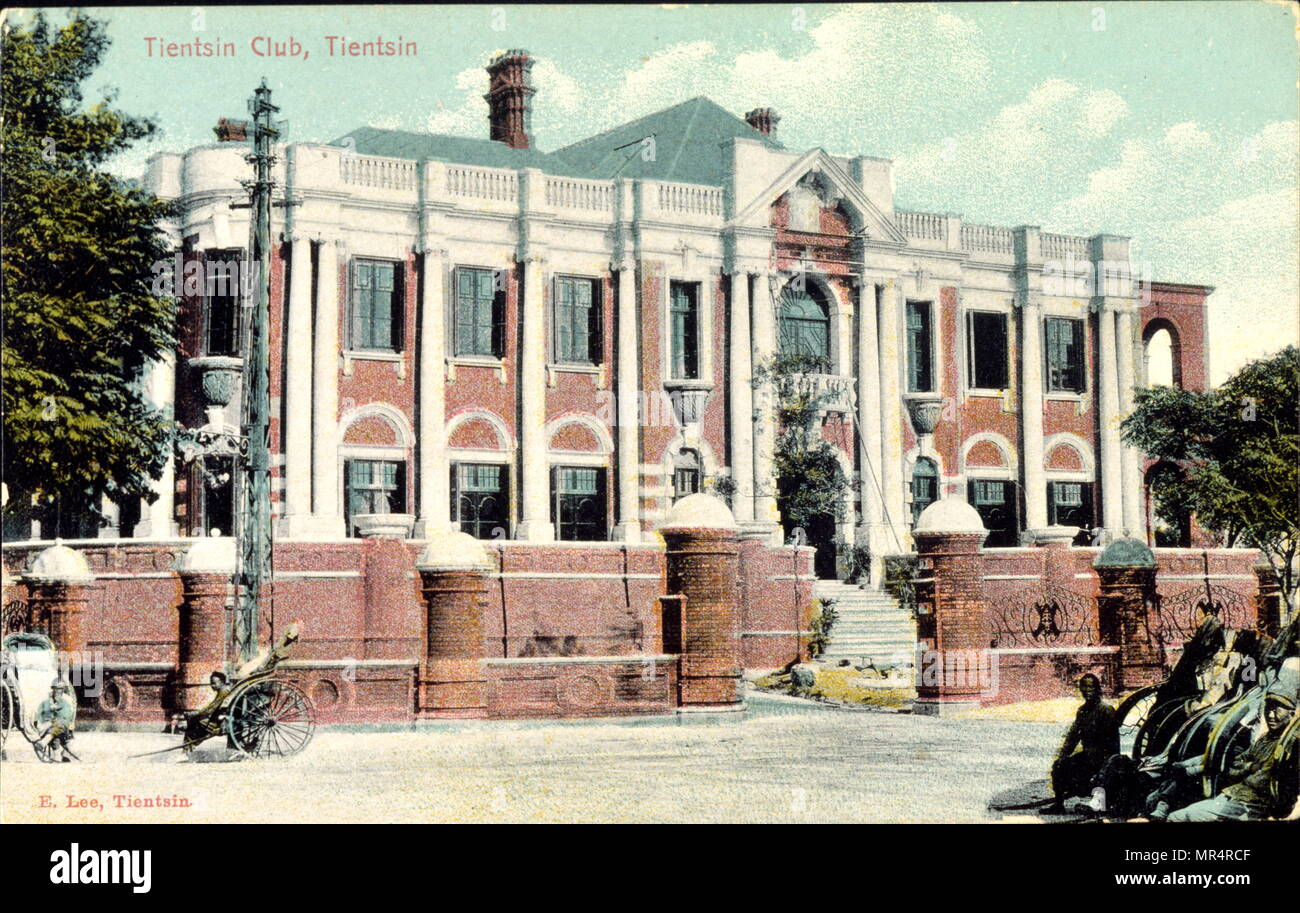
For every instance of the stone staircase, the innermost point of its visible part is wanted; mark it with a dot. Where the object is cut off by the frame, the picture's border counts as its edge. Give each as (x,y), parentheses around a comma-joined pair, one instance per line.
(871,626)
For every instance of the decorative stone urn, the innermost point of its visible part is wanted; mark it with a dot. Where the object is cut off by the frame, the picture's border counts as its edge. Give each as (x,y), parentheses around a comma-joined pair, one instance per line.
(397,526)
(925,410)
(218,376)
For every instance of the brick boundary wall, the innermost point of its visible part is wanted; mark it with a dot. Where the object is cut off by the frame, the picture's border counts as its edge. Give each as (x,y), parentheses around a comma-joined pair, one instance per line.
(360,655)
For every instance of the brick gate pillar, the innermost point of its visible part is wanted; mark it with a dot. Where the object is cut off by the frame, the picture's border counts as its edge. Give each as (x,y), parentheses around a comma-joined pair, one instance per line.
(59,583)
(205,569)
(702,549)
(452,681)
(1128,612)
(953,667)
(1268,600)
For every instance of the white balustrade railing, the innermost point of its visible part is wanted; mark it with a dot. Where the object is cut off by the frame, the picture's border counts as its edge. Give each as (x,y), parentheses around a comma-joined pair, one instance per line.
(1061,247)
(572,193)
(482,183)
(690,198)
(374,171)
(987,238)
(929,226)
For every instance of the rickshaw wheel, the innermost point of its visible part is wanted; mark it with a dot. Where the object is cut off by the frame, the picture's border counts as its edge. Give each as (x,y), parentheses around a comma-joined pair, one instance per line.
(270,719)
(1158,728)
(1134,711)
(8,712)
(1227,732)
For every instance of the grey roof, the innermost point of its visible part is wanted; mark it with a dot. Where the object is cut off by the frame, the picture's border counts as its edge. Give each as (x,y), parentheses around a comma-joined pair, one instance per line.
(688,147)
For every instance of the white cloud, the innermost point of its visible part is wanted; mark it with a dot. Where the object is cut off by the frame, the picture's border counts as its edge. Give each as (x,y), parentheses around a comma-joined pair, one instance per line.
(859,74)
(1101,111)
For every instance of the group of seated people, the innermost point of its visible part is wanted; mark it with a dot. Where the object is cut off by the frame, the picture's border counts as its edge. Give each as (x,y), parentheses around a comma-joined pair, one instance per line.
(1089,763)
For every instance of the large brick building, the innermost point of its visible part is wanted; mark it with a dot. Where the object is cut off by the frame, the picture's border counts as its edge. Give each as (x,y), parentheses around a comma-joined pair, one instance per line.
(548,346)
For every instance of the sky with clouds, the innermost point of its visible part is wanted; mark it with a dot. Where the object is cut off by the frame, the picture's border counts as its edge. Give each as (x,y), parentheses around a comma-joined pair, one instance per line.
(1172,123)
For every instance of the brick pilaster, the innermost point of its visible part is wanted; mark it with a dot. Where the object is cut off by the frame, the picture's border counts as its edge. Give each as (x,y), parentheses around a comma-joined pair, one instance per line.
(702,568)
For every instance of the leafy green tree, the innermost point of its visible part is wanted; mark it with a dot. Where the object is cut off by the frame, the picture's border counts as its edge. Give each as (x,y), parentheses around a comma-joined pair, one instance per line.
(1239,450)
(81,320)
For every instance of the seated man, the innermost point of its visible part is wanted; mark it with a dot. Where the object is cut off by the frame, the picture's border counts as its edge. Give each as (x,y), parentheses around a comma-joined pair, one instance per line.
(1095,733)
(1247,795)
(207,721)
(56,718)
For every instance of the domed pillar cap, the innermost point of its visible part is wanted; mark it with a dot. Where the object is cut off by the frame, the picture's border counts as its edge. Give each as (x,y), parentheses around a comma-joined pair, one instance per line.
(208,555)
(448,550)
(1126,553)
(699,511)
(60,564)
(950,516)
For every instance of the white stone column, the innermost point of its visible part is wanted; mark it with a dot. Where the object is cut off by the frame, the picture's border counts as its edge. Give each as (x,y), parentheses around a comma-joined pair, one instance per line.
(627,386)
(1112,501)
(1031,411)
(739,380)
(158,520)
(325,388)
(763,345)
(435,475)
(297,389)
(892,356)
(869,427)
(1130,457)
(535,497)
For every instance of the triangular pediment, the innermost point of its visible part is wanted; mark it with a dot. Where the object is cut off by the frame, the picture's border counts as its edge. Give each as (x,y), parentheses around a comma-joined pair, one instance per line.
(819,170)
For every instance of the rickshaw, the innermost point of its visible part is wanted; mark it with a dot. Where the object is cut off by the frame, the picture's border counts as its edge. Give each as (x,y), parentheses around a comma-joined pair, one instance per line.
(28,666)
(261,716)
(1211,707)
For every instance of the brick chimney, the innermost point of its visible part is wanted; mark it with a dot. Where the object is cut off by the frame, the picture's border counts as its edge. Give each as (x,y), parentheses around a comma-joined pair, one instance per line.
(509,91)
(764,120)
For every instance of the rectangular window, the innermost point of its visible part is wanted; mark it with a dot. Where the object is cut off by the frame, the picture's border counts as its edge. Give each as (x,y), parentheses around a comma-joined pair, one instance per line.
(987,334)
(480,499)
(685,319)
(374,487)
(376,306)
(222,271)
(1064,346)
(480,313)
(577,321)
(925,491)
(578,503)
(214,486)
(920,345)
(685,482)
(996,502)
(1070,504)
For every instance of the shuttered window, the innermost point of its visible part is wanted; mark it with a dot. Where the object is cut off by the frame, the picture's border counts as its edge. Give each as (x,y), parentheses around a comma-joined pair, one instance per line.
(480,313)
(1064,345)
(987,335)
(920,345)
(577,321)
(685,319)
(376,306)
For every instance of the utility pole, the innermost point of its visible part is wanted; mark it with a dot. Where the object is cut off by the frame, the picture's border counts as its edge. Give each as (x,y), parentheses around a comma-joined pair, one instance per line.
(254,574)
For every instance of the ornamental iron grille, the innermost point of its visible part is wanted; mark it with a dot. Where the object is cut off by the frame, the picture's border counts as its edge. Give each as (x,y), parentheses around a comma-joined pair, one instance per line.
(1047,616)
(1180,613)
(21,617)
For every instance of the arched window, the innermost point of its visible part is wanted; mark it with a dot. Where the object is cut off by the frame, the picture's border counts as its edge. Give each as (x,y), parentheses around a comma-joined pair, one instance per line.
(805,321)
(925,486)
(1162,360)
